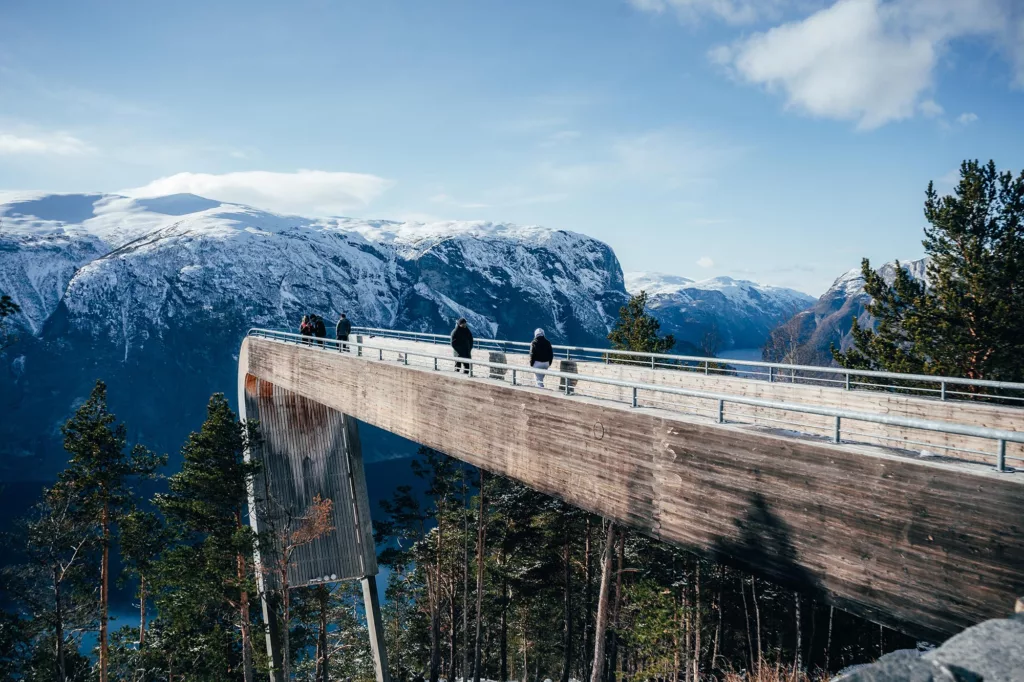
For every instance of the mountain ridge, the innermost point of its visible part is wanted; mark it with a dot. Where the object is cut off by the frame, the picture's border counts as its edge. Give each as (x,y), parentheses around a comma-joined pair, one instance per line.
(806,338)
(718,313)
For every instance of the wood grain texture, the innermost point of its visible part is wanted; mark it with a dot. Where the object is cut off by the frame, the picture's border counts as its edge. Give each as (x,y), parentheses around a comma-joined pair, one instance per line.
(925,547)
(308,449)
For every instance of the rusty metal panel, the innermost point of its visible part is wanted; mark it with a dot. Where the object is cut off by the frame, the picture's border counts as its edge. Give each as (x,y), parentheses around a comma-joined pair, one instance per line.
(308,449)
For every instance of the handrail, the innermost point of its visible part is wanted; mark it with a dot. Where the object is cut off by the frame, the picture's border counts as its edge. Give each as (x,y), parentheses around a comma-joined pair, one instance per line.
(874,374)
(1001,436)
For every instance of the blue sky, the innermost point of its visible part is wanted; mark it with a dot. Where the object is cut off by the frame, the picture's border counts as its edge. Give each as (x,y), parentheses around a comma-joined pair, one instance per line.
(776,140)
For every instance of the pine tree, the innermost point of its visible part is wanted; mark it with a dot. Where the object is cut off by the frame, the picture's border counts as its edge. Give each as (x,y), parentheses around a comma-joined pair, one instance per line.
(444,485)
(99,473)
(143,537)
(56,583)
(15,644)
(202,583)
(330,635)
(637,330)
(969,320)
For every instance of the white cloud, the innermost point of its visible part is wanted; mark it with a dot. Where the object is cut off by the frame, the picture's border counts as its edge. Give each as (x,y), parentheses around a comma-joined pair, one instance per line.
(705,262)
(58,143)
(951,178)
(731,11)
(930,108)
(308,192)
(450,201)
(561,137)
(967,118)
(660,159)
(868,61)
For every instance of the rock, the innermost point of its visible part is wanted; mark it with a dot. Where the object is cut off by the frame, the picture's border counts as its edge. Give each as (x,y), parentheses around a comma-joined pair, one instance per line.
(992,651)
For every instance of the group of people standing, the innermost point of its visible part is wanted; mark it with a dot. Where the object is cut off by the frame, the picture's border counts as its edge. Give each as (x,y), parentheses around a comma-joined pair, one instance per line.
(541,352)
(314,326)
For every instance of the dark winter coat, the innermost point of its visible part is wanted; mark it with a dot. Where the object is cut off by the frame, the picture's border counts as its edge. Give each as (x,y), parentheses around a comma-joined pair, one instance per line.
(319,330)
(541,350)
(462,341)
(344,328)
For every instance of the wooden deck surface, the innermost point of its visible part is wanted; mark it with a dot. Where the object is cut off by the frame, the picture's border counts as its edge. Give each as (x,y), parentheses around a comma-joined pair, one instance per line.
(925,547)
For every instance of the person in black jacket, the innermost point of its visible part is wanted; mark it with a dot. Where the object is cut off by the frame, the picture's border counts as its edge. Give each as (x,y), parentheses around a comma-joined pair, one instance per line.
(342,331)
(541,354)
(319,329)
(462,344)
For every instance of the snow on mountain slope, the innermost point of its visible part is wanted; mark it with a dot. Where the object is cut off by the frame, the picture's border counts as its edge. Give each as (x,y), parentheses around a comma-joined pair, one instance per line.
(739,313)
(145,261)
(35,271)
(807,337)
(655,283)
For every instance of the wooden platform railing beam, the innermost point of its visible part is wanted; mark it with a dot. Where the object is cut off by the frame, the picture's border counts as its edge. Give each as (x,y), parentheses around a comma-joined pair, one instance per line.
(925,547)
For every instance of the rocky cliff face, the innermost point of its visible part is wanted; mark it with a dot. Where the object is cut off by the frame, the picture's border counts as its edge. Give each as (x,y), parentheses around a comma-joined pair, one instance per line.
(806,337)
(154,295)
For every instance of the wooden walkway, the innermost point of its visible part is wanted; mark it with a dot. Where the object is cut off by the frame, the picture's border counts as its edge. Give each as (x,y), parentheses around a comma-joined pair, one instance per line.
(924,546)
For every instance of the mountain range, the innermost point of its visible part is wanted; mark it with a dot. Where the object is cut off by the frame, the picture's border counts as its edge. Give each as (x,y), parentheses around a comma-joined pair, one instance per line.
(806,338)
(716,314)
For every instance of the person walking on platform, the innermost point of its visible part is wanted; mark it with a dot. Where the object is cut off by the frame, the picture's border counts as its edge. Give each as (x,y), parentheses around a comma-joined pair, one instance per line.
(541,354)
(342,331)
(319,329)
(462,344)
(305,328)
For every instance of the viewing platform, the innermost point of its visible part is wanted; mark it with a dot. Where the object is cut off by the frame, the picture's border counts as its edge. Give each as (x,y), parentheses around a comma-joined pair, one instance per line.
(895,501)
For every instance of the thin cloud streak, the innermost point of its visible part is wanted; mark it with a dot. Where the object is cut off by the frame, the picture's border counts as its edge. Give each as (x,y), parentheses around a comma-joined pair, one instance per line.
(305,192)
(56,144)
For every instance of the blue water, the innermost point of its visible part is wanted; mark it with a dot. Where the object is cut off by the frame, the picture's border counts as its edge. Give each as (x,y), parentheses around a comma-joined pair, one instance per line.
(748,354)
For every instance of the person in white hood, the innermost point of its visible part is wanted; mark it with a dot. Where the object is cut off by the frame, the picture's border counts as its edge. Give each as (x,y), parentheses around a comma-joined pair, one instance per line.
(541,354)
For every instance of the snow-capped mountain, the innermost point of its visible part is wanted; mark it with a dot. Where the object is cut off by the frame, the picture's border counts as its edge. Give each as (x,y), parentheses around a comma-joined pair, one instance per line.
(715,314)
(129,268)
(154,295)
(807,337)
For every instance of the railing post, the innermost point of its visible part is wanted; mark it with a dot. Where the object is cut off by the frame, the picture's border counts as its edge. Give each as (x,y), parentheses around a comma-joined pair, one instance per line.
(435,364)
(513,377)
(847,381)
(706,366)
(942,390)
(835,434)
(771,374)
(470,369)
(380,354)
(652,362)
(721,411)
(567,385)
(634,396)
(1001,457)
(405,358)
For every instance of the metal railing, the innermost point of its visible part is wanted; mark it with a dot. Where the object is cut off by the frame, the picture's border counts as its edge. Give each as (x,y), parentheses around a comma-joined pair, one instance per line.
(643,395)
(945,388)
